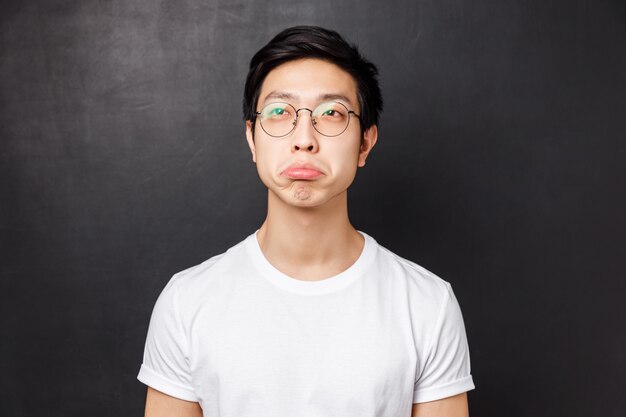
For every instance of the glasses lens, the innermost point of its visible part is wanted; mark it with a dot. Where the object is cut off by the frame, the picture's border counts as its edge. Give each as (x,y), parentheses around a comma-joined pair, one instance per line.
(331,118)
(278,119)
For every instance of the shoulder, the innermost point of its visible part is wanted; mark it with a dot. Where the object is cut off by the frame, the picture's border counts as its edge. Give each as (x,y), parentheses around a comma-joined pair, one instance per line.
(418,280)
(191,285)
(417,291)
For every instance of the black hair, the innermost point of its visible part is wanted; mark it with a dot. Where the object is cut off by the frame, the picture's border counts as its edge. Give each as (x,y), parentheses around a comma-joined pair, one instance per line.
(300,42)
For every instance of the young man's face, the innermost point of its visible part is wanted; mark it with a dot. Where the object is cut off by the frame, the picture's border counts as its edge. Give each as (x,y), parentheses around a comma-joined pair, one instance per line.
(305,168)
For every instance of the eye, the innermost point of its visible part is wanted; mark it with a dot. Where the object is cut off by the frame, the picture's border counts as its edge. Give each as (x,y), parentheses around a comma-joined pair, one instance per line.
(331,112)
(276,111)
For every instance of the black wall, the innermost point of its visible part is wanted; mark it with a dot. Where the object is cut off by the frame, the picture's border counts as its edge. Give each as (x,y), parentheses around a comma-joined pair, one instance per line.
(501,167)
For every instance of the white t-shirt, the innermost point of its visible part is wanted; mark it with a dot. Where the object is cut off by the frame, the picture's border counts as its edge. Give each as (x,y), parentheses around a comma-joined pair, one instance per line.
(243,339)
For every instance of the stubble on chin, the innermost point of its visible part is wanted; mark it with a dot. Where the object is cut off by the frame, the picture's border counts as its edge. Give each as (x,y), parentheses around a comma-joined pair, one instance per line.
(302,193)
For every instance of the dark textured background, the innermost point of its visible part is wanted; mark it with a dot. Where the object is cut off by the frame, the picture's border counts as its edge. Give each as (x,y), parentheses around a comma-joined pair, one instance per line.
(501,166)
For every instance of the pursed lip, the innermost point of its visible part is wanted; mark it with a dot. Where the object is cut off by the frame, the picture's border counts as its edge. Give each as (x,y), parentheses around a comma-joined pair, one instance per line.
(302,171)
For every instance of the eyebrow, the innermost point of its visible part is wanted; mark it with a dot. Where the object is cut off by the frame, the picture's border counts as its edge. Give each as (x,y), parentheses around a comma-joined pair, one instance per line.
(279,94)
(322,97)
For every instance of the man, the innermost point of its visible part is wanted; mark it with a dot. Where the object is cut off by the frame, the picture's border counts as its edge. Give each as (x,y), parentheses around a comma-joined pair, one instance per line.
(307,316)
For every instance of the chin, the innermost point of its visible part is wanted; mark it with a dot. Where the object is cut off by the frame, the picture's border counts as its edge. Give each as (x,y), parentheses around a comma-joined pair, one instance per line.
(300,198)
(310,199)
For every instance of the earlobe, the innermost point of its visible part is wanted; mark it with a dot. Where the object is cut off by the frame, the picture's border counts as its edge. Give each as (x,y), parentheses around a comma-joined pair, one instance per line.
(370,136)
(250,139)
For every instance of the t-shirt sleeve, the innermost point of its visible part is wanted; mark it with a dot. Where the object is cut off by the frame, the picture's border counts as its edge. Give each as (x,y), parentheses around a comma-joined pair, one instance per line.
(165,364)
(446,368)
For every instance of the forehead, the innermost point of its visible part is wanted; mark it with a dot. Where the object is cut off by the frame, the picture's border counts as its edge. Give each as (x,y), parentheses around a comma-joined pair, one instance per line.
(307,81)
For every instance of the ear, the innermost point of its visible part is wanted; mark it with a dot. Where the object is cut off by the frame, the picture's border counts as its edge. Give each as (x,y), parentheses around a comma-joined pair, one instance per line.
(250,139)
(370,136)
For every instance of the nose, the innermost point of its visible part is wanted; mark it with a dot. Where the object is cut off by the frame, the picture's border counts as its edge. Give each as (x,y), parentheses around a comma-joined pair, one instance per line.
(304,135)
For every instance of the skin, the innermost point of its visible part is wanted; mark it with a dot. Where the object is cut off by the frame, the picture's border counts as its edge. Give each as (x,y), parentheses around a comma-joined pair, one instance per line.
(159,404)
(307,234)
(455,406)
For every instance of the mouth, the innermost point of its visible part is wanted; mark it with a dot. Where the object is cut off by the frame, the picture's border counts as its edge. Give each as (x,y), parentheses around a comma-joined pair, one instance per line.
(302,172)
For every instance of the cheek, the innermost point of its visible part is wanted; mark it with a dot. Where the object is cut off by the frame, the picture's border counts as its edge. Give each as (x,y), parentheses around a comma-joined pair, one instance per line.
(346,161)
(266,161)
(261,160)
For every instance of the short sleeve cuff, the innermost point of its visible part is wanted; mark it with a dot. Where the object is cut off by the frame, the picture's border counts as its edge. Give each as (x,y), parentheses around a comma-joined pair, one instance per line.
(166,386)
(443,391)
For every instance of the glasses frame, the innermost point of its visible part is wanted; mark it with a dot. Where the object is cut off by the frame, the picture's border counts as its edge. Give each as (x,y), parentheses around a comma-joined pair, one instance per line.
(313,121)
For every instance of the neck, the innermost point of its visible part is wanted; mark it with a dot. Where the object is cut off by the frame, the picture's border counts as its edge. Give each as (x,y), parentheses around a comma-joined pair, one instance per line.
(309,243)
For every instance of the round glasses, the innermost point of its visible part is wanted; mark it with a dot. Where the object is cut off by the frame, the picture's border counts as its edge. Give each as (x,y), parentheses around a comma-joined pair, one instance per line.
(329,119)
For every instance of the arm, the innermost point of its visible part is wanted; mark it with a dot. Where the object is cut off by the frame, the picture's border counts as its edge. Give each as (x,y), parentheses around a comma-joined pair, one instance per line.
(159,404)
(455,406)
